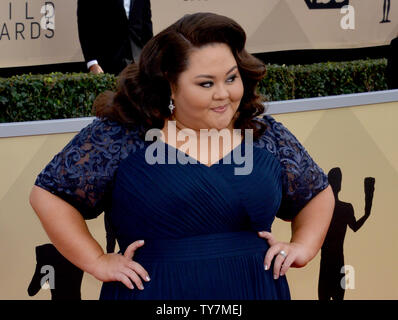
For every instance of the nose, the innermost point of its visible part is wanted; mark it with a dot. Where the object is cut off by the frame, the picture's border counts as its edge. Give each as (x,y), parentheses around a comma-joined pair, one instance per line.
(221,92)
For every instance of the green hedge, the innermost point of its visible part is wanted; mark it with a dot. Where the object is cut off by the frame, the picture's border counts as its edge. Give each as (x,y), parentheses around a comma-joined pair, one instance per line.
(51,96)
(324,79)
(58,96)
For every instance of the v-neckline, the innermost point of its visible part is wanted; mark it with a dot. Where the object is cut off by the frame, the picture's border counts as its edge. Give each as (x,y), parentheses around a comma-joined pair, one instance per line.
(196,161)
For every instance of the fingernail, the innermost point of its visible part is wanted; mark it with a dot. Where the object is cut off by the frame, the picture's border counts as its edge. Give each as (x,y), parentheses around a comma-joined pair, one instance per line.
(265,267)
(142,287)
(141,241)
(275,277)
(147,278)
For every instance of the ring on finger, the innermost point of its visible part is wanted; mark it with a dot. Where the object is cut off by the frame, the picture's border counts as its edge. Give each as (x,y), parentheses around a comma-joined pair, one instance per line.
(282,253)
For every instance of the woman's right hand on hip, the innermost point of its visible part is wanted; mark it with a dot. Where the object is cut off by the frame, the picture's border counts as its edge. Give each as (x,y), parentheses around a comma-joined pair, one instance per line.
(118,267)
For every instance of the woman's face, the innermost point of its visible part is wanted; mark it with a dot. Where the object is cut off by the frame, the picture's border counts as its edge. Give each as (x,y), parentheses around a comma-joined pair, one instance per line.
(208,93)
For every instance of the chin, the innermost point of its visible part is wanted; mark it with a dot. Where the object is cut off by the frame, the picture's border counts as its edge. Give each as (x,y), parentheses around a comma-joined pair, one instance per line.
(222,124)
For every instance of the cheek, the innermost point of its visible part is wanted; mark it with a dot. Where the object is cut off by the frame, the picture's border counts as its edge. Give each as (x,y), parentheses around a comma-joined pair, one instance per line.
(237,92)
(198,99)
(194,101)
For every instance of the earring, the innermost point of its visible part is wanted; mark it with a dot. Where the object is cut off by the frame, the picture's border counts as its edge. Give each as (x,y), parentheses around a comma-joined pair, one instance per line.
(171,106)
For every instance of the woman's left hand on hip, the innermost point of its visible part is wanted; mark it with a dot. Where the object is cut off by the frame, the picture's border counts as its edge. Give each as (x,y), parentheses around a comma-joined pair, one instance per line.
(286,254)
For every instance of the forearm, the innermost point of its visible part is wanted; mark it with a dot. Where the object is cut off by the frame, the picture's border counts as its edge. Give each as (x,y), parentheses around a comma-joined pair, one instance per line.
(88,30)
(66,229)
(310,226)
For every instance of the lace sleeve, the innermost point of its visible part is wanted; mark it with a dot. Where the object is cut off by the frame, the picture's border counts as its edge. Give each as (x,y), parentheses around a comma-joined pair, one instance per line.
(302,178)
(82,173)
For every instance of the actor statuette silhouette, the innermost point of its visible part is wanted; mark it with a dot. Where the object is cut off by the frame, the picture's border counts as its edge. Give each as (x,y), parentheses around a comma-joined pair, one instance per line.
(65,278)
(332,256)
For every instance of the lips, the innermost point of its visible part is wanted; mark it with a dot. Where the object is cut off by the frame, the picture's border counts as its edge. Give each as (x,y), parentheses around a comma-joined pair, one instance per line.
(220,109)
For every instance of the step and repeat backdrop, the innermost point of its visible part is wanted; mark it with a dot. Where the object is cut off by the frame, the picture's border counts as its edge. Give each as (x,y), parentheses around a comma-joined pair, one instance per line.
(355,145)
(35,32)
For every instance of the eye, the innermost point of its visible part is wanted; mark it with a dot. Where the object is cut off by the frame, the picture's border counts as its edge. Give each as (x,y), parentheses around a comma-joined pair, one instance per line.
(232,78)
(207,84)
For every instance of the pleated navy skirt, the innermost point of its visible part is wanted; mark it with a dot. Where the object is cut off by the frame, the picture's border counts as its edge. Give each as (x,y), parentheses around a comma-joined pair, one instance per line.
(224,266)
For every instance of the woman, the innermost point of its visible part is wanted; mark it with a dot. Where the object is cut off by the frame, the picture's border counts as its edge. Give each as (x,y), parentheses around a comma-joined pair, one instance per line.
(193,229)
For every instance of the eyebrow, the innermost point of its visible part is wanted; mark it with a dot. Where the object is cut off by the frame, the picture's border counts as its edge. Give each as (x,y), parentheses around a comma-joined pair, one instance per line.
(212,77)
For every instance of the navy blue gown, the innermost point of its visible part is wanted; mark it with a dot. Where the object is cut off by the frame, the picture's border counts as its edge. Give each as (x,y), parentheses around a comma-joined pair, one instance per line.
(199,223)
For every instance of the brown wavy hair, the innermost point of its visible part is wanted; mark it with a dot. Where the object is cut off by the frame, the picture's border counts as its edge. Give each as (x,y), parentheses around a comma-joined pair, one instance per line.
(144,90)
